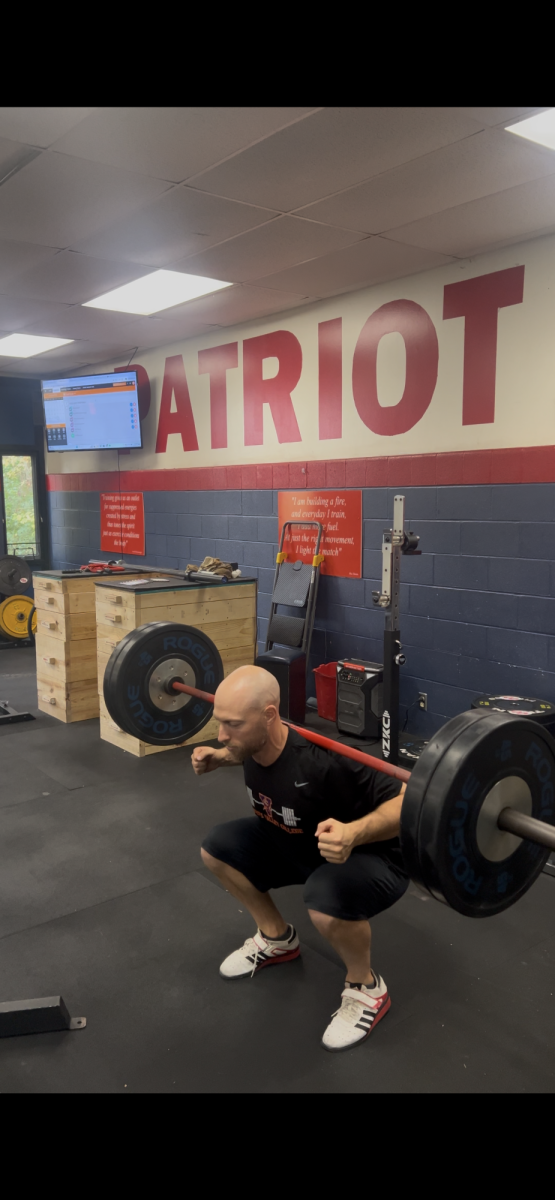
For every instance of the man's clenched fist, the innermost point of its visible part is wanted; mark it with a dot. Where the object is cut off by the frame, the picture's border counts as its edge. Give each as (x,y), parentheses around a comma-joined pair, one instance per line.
(205,758)
(335,840)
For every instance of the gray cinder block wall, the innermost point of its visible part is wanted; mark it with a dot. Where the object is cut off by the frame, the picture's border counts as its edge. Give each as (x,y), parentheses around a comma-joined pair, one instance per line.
(478,612)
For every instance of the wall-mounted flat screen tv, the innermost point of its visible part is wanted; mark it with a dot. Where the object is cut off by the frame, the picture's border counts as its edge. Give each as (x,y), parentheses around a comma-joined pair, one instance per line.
(92,412)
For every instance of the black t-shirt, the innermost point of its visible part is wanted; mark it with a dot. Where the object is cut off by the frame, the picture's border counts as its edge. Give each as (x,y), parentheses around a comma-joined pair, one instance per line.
(307,784)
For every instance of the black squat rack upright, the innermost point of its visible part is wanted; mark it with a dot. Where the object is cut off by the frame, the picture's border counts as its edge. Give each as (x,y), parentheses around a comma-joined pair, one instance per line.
(395,542)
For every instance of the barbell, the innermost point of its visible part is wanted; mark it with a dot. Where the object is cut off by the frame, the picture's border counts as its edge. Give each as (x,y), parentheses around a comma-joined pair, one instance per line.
(478,814)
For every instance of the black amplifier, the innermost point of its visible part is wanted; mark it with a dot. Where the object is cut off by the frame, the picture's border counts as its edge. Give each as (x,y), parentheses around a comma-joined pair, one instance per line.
(359,697)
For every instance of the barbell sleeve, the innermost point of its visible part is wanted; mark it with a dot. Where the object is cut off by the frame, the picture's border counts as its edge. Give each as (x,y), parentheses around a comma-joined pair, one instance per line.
(527,827)
(319,740)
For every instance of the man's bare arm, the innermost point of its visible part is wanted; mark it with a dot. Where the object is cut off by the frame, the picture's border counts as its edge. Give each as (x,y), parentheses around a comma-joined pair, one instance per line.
(380,825)
(336,840)
(208,758)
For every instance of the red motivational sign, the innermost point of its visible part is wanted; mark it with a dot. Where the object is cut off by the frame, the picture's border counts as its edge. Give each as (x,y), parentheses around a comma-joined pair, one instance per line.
(341,515)
(122,522)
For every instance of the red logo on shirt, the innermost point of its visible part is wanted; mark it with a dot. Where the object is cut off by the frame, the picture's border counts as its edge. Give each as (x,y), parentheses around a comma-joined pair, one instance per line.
(267,805)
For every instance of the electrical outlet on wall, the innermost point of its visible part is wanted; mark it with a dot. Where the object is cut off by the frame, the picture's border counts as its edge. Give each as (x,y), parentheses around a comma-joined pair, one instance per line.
(423,701)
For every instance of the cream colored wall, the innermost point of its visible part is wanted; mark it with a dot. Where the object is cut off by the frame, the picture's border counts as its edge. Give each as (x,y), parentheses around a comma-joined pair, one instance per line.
(524,413)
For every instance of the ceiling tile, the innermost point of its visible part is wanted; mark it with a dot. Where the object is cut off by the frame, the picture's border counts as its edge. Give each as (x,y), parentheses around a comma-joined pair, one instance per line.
(91,352)
(477,166)
(20,366)
(172,143)
(282,243)
(180,223)
(148,332)
(482,224)
(89,324)
(372,261)
(332,149)
(499,116)
(68,358)
(58,200)
(16,257)
(16,314)
(12,155)
(435,182)
(243,303)
(71,278)
(39,126)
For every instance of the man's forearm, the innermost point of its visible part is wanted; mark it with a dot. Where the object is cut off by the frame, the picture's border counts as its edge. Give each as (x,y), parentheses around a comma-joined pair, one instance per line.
(225,758)
(380,825)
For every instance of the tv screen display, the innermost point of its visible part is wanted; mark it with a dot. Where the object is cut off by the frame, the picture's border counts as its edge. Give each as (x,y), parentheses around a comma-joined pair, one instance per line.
(92,412)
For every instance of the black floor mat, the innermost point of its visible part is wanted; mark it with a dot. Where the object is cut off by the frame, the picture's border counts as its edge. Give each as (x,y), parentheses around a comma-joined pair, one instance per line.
(143,969)
(81,846)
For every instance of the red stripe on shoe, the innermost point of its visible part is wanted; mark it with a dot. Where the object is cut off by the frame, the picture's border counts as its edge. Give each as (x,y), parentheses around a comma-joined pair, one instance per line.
(278,958)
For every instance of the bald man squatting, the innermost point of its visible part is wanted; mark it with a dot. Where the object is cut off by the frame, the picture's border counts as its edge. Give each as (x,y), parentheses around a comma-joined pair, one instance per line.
(320,820)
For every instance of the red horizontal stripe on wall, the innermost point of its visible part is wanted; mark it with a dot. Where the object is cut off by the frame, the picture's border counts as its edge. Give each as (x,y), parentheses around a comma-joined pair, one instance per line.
(531,464)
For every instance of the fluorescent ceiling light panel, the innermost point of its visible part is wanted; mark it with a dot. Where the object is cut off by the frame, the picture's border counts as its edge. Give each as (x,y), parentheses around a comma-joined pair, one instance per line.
(25,345)
(540,129)
(152,293)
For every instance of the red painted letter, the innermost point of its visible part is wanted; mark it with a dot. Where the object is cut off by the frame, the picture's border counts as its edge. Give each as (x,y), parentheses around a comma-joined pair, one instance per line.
(420,338)
(330,379)
(143,388)
(182,420)
(215,362)
(277,391)
(477,300)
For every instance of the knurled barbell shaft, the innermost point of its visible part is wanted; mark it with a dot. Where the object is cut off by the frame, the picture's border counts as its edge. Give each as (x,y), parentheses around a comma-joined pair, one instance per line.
(191,691)
(351,752)
(527,827)
(318,739)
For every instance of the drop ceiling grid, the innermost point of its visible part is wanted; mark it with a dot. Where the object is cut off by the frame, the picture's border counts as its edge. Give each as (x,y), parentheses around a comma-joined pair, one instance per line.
(289,204)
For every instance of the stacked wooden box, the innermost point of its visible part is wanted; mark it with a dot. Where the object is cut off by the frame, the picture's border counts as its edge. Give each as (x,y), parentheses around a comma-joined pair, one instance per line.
(226,612)
(66,644)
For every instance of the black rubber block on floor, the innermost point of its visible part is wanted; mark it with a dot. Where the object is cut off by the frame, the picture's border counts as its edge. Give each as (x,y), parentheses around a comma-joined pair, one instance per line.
(143,970)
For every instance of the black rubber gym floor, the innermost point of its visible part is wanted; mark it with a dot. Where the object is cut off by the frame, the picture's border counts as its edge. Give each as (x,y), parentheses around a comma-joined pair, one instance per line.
(103,899)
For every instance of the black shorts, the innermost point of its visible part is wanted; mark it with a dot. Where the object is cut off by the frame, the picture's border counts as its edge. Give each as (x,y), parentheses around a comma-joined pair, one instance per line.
(356,890)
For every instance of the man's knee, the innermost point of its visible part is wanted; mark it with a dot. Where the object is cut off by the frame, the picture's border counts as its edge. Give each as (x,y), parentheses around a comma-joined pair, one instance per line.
(214,864)
(322,921)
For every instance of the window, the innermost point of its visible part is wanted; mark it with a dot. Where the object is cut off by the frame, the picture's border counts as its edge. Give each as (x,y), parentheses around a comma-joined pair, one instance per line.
(20,509)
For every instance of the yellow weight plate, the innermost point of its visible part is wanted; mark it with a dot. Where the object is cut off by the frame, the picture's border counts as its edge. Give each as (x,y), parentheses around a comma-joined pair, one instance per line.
(14,614)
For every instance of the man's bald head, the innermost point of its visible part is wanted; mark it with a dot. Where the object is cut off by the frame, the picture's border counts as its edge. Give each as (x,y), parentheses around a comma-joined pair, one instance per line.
(246,705)
(246,689)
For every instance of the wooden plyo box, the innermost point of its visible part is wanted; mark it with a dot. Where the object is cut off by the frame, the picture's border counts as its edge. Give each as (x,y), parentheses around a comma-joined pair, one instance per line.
(66,643)
(226,612)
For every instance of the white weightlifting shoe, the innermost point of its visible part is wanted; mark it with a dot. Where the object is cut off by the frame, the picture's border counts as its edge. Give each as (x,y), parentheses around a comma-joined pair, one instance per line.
(361,1009)
(258,952)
